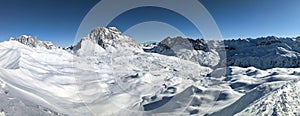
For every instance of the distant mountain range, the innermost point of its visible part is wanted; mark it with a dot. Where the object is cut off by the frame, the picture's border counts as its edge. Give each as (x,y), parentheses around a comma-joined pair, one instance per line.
(264,53)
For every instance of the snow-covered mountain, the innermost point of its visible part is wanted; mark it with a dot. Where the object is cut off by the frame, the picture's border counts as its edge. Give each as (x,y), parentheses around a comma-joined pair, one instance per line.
(107,73)
(187,49)
(34,42)
(263,53)
(101,39)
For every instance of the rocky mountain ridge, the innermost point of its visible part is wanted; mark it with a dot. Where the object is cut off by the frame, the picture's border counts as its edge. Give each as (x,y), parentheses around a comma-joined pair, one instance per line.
(34,42)
(263,53)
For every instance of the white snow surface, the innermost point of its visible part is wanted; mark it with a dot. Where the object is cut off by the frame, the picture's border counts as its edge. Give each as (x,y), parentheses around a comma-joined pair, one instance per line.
(103,78)
(72,85)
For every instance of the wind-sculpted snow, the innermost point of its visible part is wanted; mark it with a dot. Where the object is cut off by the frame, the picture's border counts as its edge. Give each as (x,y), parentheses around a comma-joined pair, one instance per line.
(72,85)
(134,79)
(106,73)
(283,101)
(256,84)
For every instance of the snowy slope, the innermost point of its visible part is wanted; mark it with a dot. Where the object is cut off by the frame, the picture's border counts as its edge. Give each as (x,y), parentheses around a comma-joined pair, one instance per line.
(256,84)
(283,101)
(65,83)
(106,73)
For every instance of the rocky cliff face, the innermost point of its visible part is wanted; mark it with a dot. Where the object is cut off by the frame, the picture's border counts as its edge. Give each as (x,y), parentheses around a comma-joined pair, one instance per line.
(34,42)
(101,39)
(109,37)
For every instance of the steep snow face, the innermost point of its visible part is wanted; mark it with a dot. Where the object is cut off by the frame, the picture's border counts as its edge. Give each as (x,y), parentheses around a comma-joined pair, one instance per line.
(34,42)
(11,105)
(28,76)
(194,50)
(6,55)
(264,53)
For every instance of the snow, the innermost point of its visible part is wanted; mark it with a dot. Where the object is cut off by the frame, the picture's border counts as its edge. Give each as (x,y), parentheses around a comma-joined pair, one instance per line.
(60,81)
(283,101)
(188,49)
(107,74)
(264,53)
(26,36)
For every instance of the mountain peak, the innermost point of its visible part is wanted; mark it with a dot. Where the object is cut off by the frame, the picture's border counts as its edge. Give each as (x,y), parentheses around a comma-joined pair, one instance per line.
(105,30)
(106,37)
(33,42)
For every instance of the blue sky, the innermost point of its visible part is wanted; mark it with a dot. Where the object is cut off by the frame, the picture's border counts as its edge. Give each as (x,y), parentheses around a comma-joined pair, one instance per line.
(58,20)
(255,18)
(53,20)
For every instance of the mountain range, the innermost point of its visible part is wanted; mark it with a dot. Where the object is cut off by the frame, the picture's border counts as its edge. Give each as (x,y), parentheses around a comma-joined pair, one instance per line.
(107,73)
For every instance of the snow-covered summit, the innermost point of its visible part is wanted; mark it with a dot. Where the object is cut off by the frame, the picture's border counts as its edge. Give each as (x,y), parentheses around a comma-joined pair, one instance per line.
(101,39)
(34,42)
(109,37)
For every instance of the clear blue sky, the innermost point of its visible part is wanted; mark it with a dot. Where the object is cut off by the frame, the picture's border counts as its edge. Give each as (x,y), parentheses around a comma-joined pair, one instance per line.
(58,20)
